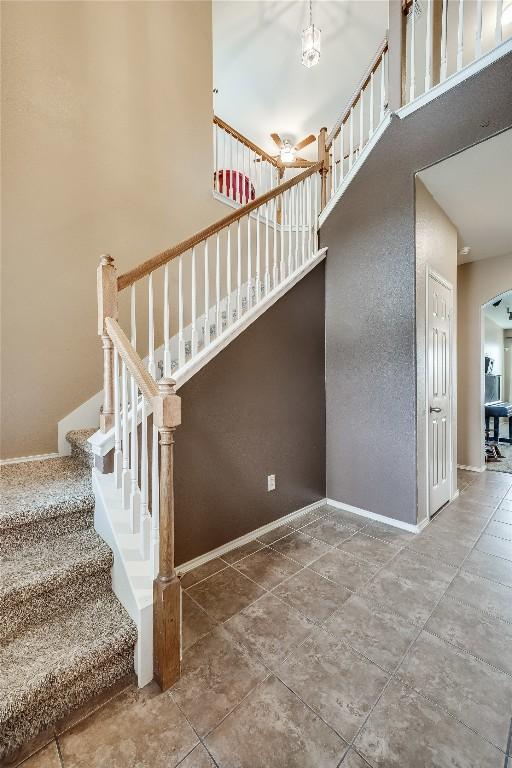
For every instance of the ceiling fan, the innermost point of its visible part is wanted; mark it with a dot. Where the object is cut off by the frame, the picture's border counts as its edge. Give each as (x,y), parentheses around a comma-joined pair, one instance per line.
(287,153)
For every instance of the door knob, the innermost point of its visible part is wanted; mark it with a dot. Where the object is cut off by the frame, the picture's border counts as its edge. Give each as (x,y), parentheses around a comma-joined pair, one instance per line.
(435,410)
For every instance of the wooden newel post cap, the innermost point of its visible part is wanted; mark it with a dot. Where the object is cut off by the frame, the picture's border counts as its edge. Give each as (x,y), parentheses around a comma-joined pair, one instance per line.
(106,260)
(167,405)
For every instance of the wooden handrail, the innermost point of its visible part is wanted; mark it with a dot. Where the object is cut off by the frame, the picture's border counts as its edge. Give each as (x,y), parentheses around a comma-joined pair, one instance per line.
(355,96)
(244,140)
(145,381)
(137,273)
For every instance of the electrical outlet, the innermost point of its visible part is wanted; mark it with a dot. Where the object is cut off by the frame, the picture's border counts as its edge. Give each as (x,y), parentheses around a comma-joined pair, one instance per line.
(271,483)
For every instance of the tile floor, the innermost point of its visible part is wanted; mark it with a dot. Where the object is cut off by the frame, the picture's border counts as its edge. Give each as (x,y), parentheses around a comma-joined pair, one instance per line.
(332,641)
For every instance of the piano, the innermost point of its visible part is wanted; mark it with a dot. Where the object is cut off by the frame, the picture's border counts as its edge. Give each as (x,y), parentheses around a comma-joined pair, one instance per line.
(496,409)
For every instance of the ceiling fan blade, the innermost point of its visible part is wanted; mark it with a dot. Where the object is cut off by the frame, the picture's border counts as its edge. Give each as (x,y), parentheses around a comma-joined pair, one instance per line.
(277,140)
(305,142)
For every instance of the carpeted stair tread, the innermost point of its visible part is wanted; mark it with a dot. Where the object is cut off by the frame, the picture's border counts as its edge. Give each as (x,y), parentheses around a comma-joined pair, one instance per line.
(33,491)
(81,449)
(34,570)
(47,670)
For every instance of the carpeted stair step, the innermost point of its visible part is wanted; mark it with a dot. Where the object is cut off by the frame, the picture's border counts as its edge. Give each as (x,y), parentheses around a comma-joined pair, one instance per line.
(41,580)
(81,449)
(49,670)
(43,499)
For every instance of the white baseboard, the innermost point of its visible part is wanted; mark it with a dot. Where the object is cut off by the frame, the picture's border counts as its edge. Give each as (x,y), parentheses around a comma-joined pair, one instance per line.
(378,518)
(471,469)
(235,543)
(23,459)
(85,416)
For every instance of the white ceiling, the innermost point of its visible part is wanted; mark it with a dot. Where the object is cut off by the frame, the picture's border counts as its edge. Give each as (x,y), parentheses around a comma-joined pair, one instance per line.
(475,190)
(262,84)
(500,314)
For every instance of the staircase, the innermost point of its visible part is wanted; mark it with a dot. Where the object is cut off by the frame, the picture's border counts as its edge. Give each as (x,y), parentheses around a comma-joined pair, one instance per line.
(64,636)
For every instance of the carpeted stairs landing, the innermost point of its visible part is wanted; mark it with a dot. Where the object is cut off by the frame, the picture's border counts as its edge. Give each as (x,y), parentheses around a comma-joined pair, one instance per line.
(64,636)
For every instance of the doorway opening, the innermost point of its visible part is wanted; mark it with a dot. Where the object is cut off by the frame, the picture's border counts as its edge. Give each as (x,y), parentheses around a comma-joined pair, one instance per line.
(497,382)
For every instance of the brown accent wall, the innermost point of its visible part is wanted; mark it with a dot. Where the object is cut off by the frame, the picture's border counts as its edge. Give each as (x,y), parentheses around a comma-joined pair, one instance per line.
(257,409)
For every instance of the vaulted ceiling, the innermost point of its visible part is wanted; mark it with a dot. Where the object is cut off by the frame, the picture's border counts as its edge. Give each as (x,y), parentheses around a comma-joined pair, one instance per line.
(262,85)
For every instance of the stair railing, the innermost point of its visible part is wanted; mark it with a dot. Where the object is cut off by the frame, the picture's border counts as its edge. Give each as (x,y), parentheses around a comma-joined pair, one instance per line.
(438,38)
(242,170)
(144,468)
(182,303)
(356,125)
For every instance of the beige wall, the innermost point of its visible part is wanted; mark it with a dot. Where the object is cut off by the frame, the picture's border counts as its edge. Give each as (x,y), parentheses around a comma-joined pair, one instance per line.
(106,146)
(436,247)
(494,344)
(479,281)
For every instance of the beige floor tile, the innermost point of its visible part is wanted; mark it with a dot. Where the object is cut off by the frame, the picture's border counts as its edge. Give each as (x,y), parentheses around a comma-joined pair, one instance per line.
(139,728)
(240,552)
(195,622)
(275,534)
(483,594)
(312,595)
(301,547)
(348,518)
(472,691)
(503,514)
(269,629)
(494,546)
(474,631)
(198,758)
(369,548)
(500,529)
(217,673)
(373,630)
(489,567)
(29,748)
(329,529)
(267,567)
(406,730)
(225,593)
(309,517)
(389,533)
(353,760)
(272,728)
(202,572)
(338,684)
(344,569)
(444,548)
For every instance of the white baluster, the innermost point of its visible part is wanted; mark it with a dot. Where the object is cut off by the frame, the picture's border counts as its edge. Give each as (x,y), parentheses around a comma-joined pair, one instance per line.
(145,520)
(267,260)
(231,169)
(249,264)
(460,35)
(383,86)
(412,54)
(224,164)
(315,223)
(428,49)
(289,223)
(218,320)
(361,121)
(310,234)
(167,323)
(238,271)
(181,338)
(333,171)
(478,30)
(126,478)
(297,216)
(342,152)
(258,258)
(274,269)
(134,457)
(498,29)
(444,41)
(151,328)
(193,307)
(215,166)
(118,454)
(303,221)
(134,463)
(351,145)
(228,281)
(281,241)
(372,106)
(206,295)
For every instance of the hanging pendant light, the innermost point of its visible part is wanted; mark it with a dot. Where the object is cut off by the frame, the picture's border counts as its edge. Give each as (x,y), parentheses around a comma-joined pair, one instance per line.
(310,41)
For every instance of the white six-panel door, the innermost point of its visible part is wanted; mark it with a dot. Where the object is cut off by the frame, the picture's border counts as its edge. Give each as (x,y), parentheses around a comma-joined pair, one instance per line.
(439,393)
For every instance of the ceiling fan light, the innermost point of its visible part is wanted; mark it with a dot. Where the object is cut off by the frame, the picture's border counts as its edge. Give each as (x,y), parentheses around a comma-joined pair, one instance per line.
(311,46)
(287,154)
(506,14)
